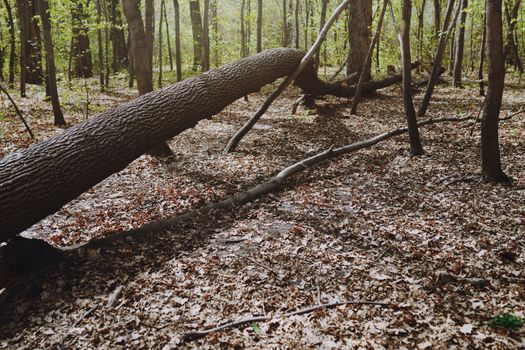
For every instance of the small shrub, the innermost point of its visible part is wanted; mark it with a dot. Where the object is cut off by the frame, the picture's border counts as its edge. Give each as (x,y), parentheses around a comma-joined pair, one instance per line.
(508,321)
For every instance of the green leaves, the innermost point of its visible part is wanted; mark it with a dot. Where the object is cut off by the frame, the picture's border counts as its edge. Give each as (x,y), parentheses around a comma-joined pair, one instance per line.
(508,321)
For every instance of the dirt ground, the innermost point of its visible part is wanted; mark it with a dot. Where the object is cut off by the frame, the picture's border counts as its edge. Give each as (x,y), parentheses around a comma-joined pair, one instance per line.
(425,235)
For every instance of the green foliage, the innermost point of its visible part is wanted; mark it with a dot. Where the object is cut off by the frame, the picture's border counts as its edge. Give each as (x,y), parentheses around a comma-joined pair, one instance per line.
(508,321)
(256,328)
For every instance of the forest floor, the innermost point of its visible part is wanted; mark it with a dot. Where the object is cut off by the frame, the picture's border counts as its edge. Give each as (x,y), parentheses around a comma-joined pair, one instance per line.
(425,235)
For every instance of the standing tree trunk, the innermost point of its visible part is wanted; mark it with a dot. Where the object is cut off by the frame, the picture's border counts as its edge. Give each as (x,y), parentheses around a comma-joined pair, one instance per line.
(30,43)
(178,59)
(259,24)
(140,49)
(322,20)
(100,48)
(206,37)
(106,42)
(120,56)
(438,58)
(404,39)
(490,153)
(243,33)
(150,29)
(511,47)
(297,23)
(368,59)
(482,58)
(420,31)
(360,22)
(81,51)
(22,15)
(168,39)
(12,43)
(196,26)
(50,62)
(460,44)
(437,17)
(160,48)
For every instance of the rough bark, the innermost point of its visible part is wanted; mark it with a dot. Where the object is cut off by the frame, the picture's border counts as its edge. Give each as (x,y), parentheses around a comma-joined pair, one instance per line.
(84,155)
(460,44)
(404,39)
(81,50)
(196,26)
(43,9)
(360,22)
(490,152)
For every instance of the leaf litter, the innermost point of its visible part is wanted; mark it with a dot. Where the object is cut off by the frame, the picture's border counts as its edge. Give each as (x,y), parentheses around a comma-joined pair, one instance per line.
(424,234)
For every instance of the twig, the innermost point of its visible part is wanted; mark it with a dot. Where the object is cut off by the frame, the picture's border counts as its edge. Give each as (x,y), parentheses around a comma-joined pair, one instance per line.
(17,111)
(258,263)
(85,315)
(202,333)
(113,298)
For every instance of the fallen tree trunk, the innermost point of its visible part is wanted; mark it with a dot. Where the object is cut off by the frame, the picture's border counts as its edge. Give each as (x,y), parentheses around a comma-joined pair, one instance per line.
(38,181)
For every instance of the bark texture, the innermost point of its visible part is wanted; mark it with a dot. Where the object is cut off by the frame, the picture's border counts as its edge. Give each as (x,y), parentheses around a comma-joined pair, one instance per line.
(31,43)
(360,22)
(86,154)
(81,49)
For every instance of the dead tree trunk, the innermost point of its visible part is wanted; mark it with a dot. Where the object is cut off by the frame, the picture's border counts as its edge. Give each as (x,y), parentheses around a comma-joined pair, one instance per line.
(109,142)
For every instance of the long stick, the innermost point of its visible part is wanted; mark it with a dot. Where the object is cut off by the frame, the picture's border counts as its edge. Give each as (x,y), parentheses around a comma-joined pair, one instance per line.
(18,111)
(368,60)
(202,333)
(288,81)
(259,190)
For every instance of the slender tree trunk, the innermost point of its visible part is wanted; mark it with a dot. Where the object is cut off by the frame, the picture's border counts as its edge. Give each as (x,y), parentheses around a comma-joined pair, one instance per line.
(100,47)
(168,39)
(285,24)
(12,43)
(206,37)
(420,31)
(482,57)
(22,15)
(178,58)
(438,57)
(50,62)
(243,34)
(490,153)
(460,44)
(216,34)
(437,17)
(81,51)
(106,42)
(160,48)
(196,25)
(322,20)
(259,24)
(131,60)
(360,22)
(368,60)
(297,23)
(404,39)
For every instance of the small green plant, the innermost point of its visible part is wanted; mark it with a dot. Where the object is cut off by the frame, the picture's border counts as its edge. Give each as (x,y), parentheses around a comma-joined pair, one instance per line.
(508,321)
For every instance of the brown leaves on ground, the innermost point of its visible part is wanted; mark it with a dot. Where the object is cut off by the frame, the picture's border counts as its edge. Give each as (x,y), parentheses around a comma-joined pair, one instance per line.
(423,233)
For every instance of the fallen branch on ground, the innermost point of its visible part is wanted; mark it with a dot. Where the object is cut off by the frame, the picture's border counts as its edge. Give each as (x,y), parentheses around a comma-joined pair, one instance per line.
(18,111)
(202,333)
(258,190)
